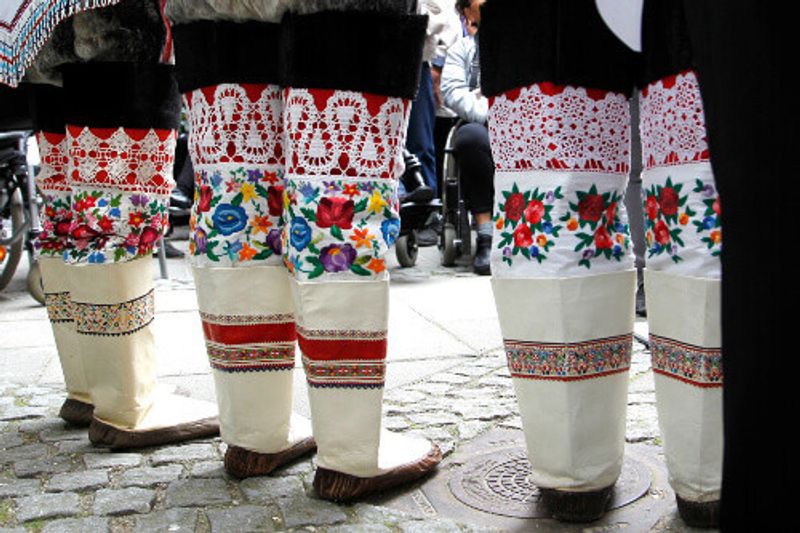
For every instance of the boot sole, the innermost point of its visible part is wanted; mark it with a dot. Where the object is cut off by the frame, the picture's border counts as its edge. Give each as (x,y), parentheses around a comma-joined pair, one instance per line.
(339,487)
(581,507)
(104,434)
(242,463)
(704,515)
(76,413)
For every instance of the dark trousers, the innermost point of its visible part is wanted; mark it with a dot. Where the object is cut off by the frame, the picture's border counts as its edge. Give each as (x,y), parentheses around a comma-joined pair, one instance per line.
(475,166)
(420,128)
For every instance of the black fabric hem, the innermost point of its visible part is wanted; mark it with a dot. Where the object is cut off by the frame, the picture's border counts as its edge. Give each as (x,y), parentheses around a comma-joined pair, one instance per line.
(121,94)
(666,47)
(209,53)
(361,51)
(564,42)
(46,104)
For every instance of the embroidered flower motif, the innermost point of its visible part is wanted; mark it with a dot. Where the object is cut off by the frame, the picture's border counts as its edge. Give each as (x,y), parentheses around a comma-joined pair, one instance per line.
(337,257)
(608,237)
(712,218)
(275,242)
(275,200)
(300,233)
(335,211)
(229,218)
(663,203)
(391,230)
(528,213)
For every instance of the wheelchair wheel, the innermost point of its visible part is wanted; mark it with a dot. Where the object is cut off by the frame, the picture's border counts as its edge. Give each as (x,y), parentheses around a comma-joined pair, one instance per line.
(35,286)
(448,246)
(11,253)
(407,249)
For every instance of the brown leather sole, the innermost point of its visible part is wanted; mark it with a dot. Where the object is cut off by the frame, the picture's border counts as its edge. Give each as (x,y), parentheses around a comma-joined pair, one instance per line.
(570,506)
(340,487)
(242,463)
(103,434)
(76,413)
(699,514)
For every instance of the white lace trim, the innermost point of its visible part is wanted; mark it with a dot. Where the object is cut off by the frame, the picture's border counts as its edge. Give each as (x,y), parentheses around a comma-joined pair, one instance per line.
(560,128)
(230,126)
(672,122)
(54,160)
(124,161)
(345,138)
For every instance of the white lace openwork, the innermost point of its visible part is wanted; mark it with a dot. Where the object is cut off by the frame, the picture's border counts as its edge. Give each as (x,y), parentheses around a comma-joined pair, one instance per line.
(124,160)
(672,122)
(345,137)
(53,152)
(230,125)
(546,127)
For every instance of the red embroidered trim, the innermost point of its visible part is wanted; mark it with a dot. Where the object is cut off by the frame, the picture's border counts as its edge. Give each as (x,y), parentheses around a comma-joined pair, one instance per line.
(336,345)
(673,128)
(250,358)
(345,373)
(53,152)
(122,159)
(569,361)
(554,127)
(344,133)
(695,365)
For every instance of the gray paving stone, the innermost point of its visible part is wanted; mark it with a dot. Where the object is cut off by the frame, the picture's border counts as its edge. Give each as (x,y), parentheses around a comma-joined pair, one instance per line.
(76,481)
(14,488)
(110,460)
(470,429)
(482,412)
(21,412)
(300,511)
(147,476)
(11,440)
(298,468)
(13,530)
(63,433)
(359,528)
(432,418)
(395,423)
(243,519)
(405,396)
(27,451)
(641,423)
(188,452)
(47,400)
(77,525)
(123,501)
(171,520)
(197,493)
(454,379)
(373,514)
(429,526)
(40,506)
(208,469)
(260,489)
(39,424)
(33,390)
(76,446)
(430,388)
(35,467)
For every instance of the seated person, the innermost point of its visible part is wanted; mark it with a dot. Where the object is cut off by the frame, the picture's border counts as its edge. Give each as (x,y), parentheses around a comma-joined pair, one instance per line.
(461,91)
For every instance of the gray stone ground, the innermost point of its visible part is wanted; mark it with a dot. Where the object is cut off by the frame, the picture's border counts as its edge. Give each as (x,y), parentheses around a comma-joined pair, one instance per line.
(447,381)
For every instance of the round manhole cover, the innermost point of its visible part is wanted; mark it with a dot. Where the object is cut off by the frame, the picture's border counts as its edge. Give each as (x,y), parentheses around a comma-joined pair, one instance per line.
(499,483)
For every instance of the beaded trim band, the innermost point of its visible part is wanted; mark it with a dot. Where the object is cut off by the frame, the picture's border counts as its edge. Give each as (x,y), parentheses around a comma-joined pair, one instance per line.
(115,319)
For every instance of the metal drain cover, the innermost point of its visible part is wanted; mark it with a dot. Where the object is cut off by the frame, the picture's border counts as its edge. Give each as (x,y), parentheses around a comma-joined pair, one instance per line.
(499,483)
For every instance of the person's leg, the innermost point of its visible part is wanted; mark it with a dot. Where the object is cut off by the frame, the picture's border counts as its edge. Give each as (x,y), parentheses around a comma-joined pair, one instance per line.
(344,154)
(121,120)
(53,241)
(236,146)
(476,175)
(420,128)
(563,274)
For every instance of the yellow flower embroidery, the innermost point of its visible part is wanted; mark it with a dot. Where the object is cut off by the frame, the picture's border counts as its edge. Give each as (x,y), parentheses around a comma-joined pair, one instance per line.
(248,191)
(376,202)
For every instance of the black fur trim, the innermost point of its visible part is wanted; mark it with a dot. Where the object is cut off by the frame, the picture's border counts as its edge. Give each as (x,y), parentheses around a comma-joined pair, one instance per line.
(566,42)
(47,107)
(361,51)
(209,53)
(121,94)
(665,40)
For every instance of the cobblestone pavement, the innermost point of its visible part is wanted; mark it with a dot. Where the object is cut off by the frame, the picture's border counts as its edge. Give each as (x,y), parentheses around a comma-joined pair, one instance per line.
(53,479)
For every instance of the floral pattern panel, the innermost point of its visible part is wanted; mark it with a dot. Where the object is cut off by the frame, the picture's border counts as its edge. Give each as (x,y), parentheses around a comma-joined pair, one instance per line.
(56,217)
(120,181)
(341,227)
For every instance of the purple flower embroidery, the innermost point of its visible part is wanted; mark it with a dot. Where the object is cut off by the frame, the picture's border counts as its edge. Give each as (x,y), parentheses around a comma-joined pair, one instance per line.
(200,240)
(274,241)
(337,257)
(253,175)
(331,186)
(139,200)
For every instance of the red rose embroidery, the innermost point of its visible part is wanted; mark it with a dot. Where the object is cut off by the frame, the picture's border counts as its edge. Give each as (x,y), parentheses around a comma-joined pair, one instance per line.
(651,207)
(668,199)
(602,240)
(534,212)
(275,201)
(662,233)
(84,232)
(106,224)
(338,211)
(717,207)
(515,204)
(611,212)
(204,202)
(591,207)
(149,236)
(523,238)
(62,228)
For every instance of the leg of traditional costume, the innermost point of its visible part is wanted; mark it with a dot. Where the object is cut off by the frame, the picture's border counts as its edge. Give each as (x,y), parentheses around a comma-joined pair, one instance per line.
(121,134)
(53,243)
(562,270)
(345,117)
(242,286)
(682,278)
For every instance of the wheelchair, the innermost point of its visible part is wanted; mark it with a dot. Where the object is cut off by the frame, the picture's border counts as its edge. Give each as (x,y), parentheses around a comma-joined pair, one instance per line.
(456,237)
(413,214)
